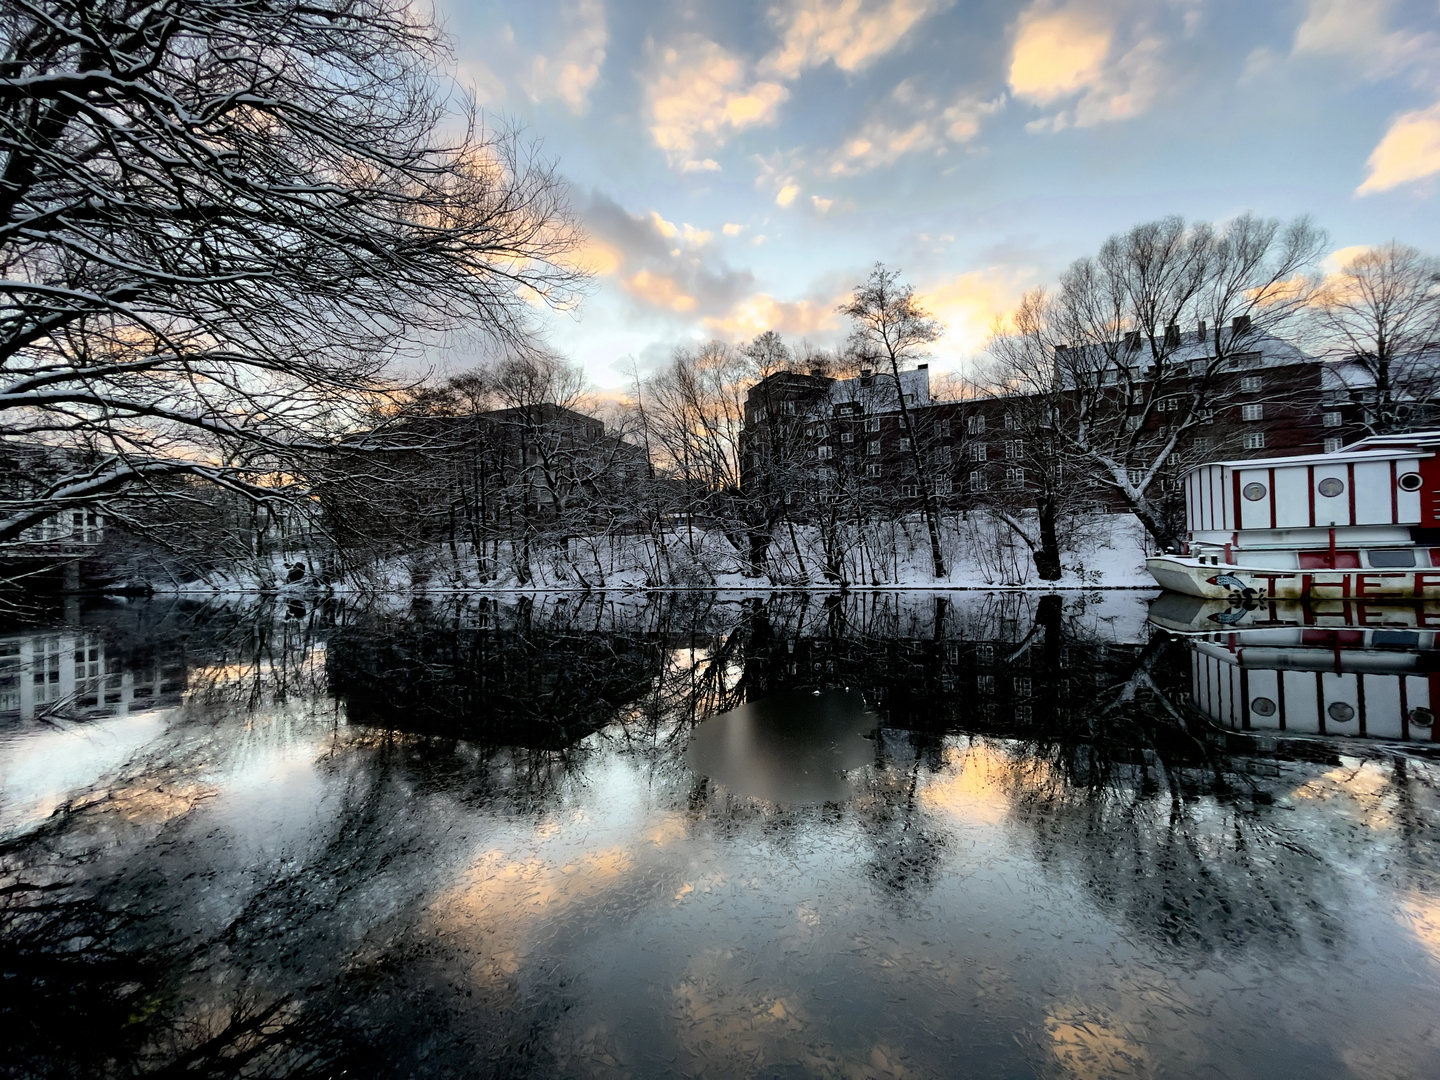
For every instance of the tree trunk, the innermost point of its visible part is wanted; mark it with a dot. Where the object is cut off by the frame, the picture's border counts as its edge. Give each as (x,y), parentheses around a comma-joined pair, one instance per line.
(1047,555)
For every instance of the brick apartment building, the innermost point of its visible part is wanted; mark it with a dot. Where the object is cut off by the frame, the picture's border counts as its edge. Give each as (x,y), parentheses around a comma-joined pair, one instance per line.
(1270,400)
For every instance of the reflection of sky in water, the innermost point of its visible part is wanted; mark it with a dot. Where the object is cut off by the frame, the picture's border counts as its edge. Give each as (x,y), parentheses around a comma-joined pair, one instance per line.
(792,747)
(834,901)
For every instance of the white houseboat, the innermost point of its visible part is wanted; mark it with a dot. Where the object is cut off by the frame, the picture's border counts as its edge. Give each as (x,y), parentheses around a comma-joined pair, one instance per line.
(1361,523)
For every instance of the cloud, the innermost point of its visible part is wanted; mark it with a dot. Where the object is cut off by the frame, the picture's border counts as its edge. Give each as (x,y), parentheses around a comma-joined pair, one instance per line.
(786,195)
(1074,53)
(668,267)
(1409,151)
(907,123)
(699,94)
(851,34)
(760,312)
(1360,31)
(571,72)
(659,290)
(732,229)
(1057,54)
(969,303)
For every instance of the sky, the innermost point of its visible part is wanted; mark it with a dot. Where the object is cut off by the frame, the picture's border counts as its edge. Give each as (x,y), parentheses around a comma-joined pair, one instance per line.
(739,167)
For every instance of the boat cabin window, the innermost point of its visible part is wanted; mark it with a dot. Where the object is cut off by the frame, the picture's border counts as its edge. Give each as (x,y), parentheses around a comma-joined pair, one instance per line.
(1392,557)
(1320,560)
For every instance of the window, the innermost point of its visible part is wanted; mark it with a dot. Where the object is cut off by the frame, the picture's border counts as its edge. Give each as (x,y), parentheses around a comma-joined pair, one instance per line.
(1021,686)
(1012,422)
(1334,445)
(1137,397)
(874,448)
(942,428)
(1201,444)
(872,424)
(1015,478)
(823,452)
(985,684)
(978,481)
(977,452)
(910,491)
(904,443)
(789,408)
(1330,419)
(1014,450)
(827,474)
(1168,404)
(822,430)
(944,486)
(1250,383)
(1252,412)
(847,436)
(1255,441)
(1135,476)
(909,399)
(984,654)
(975,425)
(872,470)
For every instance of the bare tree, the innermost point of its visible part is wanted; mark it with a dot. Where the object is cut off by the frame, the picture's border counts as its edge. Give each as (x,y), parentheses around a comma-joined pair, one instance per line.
(1107,349)
(1381,311)
(891,329)
(219,222)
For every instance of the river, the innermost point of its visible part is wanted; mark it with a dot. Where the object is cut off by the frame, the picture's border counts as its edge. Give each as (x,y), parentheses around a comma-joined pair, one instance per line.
(875,835)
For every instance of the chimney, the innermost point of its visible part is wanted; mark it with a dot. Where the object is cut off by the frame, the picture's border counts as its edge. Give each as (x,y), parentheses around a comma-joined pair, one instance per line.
(1172,335)
(1132,339)
(1239,325)
(866,372)
(1200,333)
(922,367)
(815,372)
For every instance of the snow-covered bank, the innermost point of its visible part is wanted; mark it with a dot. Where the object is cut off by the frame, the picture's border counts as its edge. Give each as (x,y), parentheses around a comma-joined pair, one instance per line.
(1104,552)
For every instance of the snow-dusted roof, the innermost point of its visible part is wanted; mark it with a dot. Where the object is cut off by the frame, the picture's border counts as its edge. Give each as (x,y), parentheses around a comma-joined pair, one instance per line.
(879,394)
(1257,350)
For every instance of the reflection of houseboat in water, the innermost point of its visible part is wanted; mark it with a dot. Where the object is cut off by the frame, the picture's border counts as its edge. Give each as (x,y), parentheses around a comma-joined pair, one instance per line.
(1363,522)
(1325,668)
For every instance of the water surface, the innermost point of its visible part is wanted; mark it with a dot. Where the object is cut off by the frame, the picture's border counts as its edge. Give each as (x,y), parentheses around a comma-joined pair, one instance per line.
(897,835)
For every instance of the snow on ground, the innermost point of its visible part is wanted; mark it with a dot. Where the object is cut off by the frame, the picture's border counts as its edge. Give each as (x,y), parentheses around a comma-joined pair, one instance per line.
(1105,552)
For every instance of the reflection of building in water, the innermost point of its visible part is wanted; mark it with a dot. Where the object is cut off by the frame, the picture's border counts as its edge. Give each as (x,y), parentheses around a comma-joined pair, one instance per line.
(73,672)
(1315,669)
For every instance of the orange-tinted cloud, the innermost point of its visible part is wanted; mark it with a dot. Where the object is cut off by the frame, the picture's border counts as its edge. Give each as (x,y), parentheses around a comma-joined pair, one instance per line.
(968,305)
(1409,151)
(699,94)
(574,68)
(1057,54)
(756,314)
(852,34)
(659,290)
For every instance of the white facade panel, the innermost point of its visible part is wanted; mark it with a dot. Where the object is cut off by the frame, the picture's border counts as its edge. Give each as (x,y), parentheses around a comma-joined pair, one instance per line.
(1292,497)
(1264,688)
(1382,706)
(1255,513)
(1332,509)
(1373,505)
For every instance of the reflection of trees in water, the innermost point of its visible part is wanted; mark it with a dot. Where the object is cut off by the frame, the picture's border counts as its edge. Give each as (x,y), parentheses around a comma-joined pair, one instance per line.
(323,961)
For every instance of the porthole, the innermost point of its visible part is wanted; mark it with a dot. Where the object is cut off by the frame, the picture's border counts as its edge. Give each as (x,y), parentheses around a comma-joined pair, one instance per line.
(1253,492)
(1331,486)
(1409,481)
(1262,706)
(1341,712)
(1422,718)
